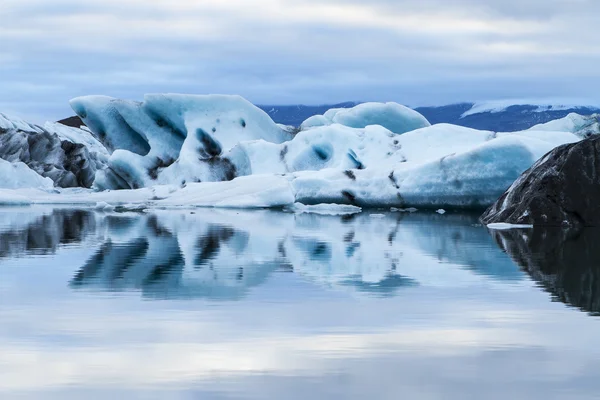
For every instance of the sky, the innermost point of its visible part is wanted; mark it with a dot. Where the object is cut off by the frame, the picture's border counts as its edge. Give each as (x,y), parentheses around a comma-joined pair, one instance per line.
(416,52)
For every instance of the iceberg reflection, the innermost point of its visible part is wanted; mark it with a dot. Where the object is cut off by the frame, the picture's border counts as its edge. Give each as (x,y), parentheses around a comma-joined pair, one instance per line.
(224,254)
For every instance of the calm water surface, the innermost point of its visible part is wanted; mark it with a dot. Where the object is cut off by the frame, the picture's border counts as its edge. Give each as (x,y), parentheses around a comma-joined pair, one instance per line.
(220,304)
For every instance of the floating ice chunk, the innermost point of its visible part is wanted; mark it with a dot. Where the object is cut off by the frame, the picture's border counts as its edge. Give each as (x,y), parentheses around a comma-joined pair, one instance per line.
(504,226)
(377,215)
(325,209)
(441,211)
(104,206)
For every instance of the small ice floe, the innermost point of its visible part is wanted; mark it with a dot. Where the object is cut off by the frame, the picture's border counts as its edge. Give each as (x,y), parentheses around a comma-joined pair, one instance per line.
(377,215)
(404,210)
(441,211)
(131,207)
(104,206)
(504,226)
(325,209)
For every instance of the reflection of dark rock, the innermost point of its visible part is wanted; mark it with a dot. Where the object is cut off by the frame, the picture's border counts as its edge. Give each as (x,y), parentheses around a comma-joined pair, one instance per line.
(565,263)
(561,189)
(45,234)
(67,164)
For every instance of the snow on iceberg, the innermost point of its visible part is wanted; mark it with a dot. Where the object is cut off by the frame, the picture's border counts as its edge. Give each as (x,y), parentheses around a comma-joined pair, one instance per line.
(393,116)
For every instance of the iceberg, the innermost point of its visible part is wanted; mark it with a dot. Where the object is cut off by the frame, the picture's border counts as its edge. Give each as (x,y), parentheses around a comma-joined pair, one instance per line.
(170,137)
(393,116)
(221,151)
(68,156)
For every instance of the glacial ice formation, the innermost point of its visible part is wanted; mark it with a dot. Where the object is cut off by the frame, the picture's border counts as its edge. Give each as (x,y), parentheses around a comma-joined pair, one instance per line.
(222,151)
(393,116)
(172,138)
(68,156)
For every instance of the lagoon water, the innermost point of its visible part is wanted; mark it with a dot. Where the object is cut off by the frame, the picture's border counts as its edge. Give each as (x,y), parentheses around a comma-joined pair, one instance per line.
(225,304)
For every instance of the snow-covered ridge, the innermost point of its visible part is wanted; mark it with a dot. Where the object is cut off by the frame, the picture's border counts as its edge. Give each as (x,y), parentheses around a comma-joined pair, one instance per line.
(497,106)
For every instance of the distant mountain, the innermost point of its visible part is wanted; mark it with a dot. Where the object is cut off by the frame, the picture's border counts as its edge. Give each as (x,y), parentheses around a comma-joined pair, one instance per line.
(296,114)
(501,118)
(493,116)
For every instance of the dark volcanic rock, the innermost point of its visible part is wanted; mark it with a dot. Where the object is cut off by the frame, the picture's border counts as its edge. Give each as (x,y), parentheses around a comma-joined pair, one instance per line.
(564,262)
(73,122)
(561,189)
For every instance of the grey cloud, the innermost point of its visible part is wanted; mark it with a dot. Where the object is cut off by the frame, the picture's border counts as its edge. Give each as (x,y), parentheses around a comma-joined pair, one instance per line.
(51,53)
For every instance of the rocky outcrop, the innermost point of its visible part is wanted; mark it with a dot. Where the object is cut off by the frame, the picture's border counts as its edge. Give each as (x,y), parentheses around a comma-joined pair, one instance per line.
(561,189)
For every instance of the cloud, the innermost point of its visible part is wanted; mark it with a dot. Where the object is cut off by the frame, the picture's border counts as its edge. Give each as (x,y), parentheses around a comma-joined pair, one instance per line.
(296,51)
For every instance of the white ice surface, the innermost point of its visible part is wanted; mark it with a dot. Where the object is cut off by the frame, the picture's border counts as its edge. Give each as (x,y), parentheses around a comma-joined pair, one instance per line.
(19,175)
